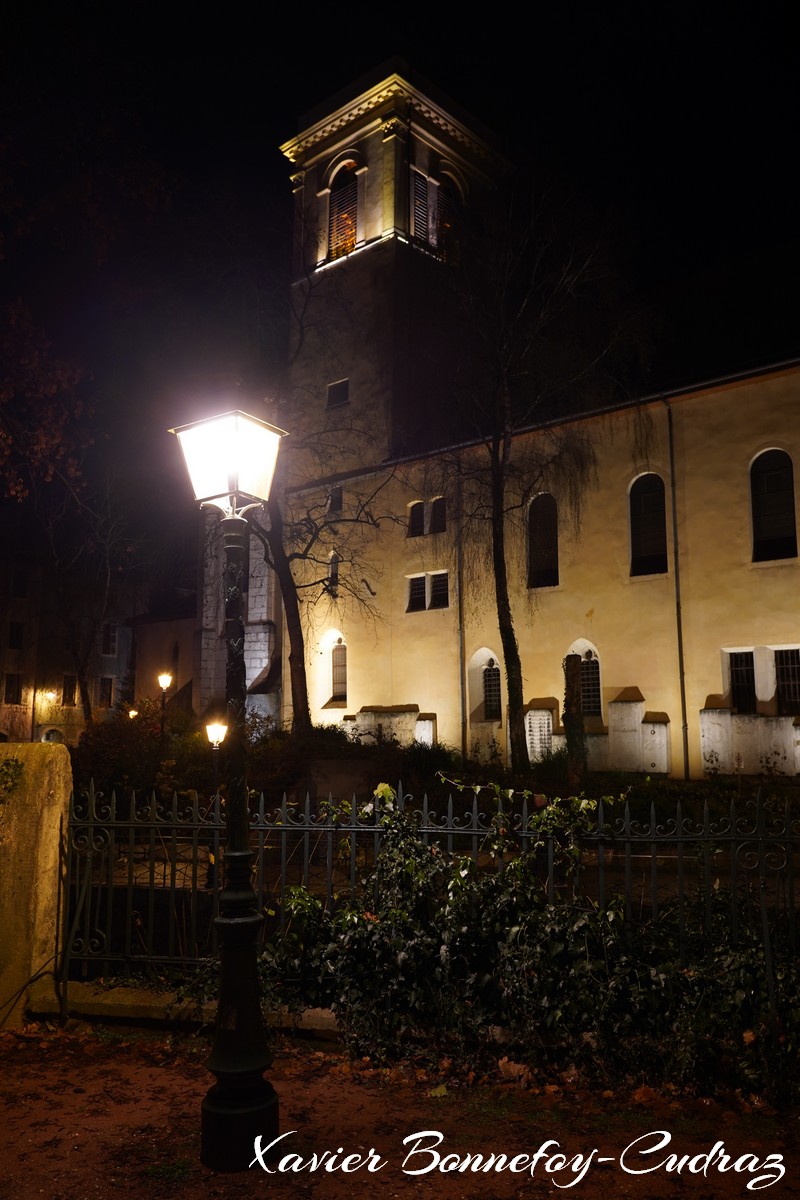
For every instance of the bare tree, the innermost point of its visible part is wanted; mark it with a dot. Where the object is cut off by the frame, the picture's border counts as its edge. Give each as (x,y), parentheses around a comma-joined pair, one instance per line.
(316,541)
(548,332)
(91,565)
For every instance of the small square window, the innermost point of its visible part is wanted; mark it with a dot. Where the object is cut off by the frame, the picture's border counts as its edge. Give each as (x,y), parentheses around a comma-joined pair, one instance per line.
(338,393)
(416,594)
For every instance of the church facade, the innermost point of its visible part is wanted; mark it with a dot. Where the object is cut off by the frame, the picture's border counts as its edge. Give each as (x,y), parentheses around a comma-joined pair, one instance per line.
(665,557)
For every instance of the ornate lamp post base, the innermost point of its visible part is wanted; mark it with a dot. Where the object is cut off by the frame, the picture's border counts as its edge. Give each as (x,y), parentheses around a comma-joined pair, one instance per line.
(232,1116)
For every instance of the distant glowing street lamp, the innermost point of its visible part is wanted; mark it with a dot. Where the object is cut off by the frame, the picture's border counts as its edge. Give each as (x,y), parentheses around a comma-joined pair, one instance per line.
(231,461)
(164,682)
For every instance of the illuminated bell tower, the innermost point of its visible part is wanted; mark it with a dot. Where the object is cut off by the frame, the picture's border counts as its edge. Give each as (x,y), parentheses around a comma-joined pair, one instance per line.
(384,176)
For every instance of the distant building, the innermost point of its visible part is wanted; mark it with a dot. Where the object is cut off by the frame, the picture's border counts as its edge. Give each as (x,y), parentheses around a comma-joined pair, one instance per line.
(41,675)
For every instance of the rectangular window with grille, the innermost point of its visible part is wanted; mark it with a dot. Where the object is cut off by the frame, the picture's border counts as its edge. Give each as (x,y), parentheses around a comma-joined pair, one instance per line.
(590,687)
(787,680)
(491,692)
(416,594)
(440,591)
(743,681)
(339,672)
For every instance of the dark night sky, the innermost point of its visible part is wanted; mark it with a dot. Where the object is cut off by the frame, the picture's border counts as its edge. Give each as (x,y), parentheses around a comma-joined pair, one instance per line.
(681,120)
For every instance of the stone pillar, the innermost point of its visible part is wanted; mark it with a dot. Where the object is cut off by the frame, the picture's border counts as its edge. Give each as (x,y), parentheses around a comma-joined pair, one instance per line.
(31,817)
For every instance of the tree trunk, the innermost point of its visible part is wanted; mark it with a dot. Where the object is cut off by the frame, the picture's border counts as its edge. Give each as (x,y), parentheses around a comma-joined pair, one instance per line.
(301,713)
(511,657)
(573,723)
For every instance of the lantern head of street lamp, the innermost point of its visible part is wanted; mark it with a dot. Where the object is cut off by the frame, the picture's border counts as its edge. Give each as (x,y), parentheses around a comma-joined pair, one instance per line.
(164,681)
(216,734)
(231,460)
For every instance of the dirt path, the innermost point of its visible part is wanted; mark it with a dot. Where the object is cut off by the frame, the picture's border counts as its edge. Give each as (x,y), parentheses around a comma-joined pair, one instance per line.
(92,1114)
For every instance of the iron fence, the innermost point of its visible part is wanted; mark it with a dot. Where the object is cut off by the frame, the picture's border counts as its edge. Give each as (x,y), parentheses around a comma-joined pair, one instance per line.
(142,877)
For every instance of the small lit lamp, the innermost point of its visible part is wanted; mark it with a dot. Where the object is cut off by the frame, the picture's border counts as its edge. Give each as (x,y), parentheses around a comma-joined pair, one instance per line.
(215,733)
(164,682)
(216,736)
(231,460)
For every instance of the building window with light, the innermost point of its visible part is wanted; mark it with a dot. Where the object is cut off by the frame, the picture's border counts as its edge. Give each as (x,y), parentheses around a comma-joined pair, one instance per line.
(772,506)
(590,685)
(491,691)
(339,671)
(343,222)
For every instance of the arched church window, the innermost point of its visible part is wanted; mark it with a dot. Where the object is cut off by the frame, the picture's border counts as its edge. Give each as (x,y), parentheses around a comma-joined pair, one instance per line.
(543,542)
(343,228)
(648,526)
(772,500)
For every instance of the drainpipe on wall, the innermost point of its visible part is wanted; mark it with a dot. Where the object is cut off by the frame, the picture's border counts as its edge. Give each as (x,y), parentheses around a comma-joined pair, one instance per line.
(677,572)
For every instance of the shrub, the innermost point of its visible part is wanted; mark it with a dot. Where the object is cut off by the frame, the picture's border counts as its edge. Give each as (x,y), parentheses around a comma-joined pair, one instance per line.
(447,955)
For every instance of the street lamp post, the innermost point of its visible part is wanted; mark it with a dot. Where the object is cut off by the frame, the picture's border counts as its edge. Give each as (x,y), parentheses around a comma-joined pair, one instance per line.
(164,682)
(231,460)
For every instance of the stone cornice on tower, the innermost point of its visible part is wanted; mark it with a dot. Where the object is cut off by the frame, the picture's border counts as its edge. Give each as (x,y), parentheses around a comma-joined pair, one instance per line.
(385,96)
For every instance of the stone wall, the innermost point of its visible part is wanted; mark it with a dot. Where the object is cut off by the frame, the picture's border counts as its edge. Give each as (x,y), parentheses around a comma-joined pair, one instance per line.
(30,822)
